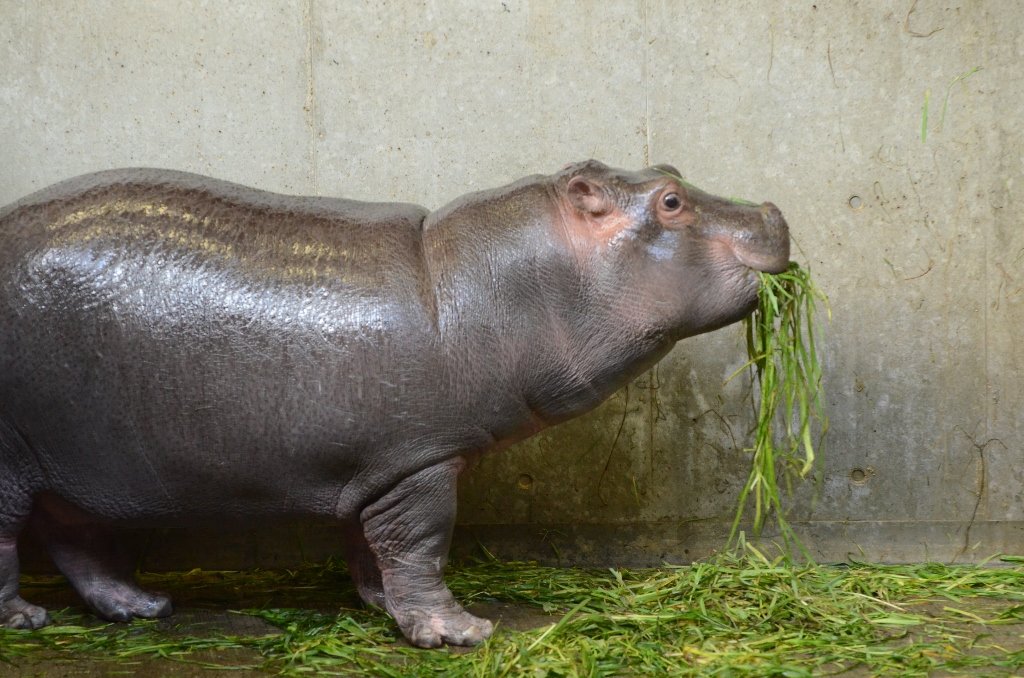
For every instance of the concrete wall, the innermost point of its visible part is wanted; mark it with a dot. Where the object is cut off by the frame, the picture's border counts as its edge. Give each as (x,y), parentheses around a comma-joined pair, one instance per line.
(915,236)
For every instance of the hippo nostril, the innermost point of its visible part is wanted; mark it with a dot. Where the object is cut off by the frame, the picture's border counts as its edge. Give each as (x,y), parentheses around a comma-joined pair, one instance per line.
(772,216)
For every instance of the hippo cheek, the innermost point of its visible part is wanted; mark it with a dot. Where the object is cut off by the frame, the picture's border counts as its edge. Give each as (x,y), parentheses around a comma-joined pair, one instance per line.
(735,270)
(700,284)
(740,293)
(728,291)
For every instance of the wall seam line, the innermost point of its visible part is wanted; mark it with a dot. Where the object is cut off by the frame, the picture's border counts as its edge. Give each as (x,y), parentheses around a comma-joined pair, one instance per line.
(310,107)
(647,85)
(982,503)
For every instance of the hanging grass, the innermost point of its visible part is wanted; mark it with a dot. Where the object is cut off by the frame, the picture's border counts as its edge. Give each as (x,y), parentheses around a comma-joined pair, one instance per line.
(740,615)
(786,368)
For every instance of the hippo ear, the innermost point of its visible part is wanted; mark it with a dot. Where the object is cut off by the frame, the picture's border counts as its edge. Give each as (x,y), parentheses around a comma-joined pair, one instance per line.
(588,197)
(668,169)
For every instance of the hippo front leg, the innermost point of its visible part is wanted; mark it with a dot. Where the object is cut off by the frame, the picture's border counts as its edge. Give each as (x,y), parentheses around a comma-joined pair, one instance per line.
(409,530)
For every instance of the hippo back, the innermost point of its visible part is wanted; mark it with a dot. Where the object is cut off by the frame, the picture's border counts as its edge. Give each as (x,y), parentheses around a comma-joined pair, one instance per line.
(163,333)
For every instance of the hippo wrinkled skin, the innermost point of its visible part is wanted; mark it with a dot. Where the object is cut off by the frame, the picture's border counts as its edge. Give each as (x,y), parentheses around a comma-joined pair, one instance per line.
(178,350)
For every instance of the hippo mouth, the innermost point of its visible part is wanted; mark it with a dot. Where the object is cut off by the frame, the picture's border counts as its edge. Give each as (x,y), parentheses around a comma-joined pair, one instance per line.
(773,258)
(764,264)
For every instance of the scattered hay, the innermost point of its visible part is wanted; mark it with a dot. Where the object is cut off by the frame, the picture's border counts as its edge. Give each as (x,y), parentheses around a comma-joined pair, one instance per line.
(736,616)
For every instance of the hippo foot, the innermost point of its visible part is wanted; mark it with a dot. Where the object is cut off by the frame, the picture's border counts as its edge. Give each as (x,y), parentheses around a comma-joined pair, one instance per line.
(121,602)
(18,614)
(455,626)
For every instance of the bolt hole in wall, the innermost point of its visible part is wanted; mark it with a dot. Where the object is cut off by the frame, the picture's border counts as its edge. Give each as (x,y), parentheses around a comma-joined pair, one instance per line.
(525,481)
(859,476)
(856,202)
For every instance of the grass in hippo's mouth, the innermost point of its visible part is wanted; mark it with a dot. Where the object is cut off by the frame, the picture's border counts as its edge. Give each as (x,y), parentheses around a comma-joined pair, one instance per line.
(786,366)
(736,616)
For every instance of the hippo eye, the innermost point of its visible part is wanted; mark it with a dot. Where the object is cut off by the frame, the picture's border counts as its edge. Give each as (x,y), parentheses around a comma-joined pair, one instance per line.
(671,201)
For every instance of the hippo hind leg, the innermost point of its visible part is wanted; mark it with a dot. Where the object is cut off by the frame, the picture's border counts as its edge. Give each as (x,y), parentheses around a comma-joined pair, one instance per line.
(15,612)
(88,555)
(409,531)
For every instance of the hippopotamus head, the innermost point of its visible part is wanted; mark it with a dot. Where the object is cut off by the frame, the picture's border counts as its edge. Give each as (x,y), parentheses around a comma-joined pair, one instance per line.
(680,261)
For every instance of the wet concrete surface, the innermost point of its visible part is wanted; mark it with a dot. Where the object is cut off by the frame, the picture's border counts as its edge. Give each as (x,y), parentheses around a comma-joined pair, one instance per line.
(988,639)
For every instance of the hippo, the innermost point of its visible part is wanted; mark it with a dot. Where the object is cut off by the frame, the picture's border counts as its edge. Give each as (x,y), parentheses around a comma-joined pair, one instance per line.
(178,350)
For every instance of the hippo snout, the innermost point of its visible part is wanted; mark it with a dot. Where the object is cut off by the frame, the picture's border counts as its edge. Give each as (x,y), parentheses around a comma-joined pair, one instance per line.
(773,221)
(777,234)
(764,244)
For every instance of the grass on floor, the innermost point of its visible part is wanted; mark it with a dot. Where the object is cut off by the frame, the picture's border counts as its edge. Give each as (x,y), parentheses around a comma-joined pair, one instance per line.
(734,616)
